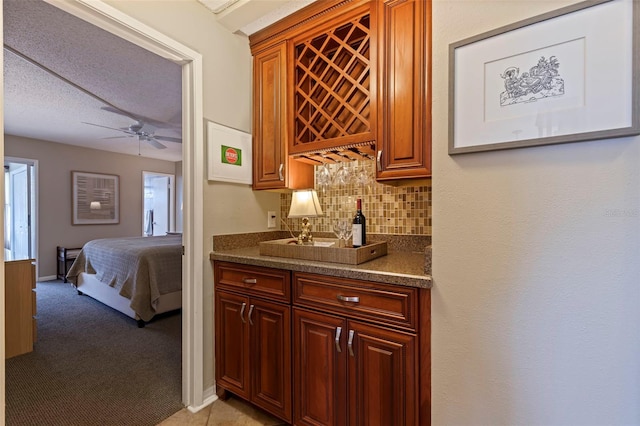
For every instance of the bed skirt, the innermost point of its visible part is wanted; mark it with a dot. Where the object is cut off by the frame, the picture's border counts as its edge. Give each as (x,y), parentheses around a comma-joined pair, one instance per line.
(88,284)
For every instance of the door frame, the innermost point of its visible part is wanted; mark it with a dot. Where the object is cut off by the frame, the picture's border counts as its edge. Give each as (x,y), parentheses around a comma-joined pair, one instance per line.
(116,22)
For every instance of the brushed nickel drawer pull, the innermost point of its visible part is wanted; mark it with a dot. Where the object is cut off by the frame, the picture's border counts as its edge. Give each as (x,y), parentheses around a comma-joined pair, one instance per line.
(244,305)
(280,175)
(250,280)
(352,299)
(338,334)
(350,343)
(250,312)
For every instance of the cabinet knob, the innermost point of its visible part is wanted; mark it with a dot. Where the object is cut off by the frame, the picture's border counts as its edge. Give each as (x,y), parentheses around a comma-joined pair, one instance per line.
(350,343)
(250,312)
(352,299)
(244,305)
(338,334)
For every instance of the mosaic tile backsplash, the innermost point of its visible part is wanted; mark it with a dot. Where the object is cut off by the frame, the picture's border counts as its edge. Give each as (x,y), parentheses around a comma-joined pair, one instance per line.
(388,209)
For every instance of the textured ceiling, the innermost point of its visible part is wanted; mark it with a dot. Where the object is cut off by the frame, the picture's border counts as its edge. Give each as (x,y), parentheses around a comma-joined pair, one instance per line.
(39,105)
(61,72)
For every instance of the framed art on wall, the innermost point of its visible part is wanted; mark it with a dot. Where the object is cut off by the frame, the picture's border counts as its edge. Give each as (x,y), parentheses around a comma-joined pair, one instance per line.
(228,154)
(565,76)
(95,198)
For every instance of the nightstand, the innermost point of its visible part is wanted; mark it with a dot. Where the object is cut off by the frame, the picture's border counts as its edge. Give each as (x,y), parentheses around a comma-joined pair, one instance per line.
(66,256)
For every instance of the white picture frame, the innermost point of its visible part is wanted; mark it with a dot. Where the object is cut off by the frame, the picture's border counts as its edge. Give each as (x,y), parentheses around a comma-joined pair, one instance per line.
(550,79)
(229,156)
(95,198)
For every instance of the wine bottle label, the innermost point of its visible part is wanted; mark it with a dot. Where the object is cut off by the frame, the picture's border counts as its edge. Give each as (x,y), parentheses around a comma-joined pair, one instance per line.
(357,234)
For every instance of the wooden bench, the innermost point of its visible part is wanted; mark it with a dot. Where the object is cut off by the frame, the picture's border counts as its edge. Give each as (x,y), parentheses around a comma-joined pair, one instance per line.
(66,256)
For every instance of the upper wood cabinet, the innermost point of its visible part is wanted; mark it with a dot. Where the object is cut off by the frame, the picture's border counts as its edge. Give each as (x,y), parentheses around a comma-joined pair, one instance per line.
(272,166)
(353,78)
(404,76)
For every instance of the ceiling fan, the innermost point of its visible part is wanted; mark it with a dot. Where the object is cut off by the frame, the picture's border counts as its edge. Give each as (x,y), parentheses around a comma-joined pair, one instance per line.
(136,130)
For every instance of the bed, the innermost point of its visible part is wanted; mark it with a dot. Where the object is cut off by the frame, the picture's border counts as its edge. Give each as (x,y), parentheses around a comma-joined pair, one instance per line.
(138,276)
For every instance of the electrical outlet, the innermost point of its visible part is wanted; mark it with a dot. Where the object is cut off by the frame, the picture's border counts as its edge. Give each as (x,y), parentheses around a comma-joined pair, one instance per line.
(271,219)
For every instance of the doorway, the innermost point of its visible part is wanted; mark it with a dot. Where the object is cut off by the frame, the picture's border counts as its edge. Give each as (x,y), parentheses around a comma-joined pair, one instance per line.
(159,204)
(105,17)
(20,209)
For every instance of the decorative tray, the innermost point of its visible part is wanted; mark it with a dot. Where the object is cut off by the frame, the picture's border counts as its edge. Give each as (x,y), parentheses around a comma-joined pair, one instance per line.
(323,251)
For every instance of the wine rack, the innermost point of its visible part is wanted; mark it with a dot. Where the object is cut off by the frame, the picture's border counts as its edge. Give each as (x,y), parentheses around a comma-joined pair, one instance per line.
(332,86)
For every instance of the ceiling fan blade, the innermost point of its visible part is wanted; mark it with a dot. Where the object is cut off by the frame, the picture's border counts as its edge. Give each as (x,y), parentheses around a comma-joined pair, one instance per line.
(168,139)
(127,131)
(154,143)
(139,118)
(118,137)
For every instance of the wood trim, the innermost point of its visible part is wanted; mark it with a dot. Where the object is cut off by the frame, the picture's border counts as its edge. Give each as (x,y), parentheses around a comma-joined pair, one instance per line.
(283,29)
(424,357)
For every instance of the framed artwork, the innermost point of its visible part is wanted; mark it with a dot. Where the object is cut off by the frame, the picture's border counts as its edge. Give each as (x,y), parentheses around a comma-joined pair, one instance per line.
(228,154)
(565,76)
(95,198)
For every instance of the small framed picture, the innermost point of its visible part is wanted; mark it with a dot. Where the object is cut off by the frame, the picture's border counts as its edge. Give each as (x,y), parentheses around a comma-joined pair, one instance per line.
(95,198)
(228,154)
(569,75)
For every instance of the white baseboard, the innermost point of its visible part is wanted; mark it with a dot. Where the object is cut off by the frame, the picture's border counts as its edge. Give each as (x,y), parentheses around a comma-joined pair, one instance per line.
(48,278)
(209,397)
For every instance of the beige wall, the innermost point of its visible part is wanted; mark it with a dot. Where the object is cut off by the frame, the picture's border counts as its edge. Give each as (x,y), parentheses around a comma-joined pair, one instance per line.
(228,208)
(55,163)
(536,266)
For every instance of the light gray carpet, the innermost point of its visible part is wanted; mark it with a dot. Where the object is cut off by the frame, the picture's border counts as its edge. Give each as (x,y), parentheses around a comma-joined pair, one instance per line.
(93,366)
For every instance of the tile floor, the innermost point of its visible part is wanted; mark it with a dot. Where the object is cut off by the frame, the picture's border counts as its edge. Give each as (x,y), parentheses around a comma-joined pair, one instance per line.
(223,413)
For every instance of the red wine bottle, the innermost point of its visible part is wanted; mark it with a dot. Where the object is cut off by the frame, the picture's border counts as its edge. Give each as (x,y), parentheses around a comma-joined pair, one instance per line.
(359,227)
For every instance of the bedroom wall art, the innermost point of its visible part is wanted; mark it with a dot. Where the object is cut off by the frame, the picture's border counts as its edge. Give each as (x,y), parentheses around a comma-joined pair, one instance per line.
(95,198)
(546,80)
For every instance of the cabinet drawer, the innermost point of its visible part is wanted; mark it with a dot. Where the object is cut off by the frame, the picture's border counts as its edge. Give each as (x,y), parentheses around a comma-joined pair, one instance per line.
(253,280)
(385,303)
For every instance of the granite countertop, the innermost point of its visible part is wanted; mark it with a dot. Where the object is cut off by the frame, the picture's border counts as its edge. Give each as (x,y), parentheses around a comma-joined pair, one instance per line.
(397,267)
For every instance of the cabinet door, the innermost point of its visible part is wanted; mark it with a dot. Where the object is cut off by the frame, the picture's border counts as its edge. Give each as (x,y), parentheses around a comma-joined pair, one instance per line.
(232,343)
(270,329)
(404,136)
(269,125)
(272,167)
(319,369)
(383,387)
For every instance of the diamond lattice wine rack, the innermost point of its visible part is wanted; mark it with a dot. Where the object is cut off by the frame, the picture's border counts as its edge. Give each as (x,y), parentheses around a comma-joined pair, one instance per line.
(332,79)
